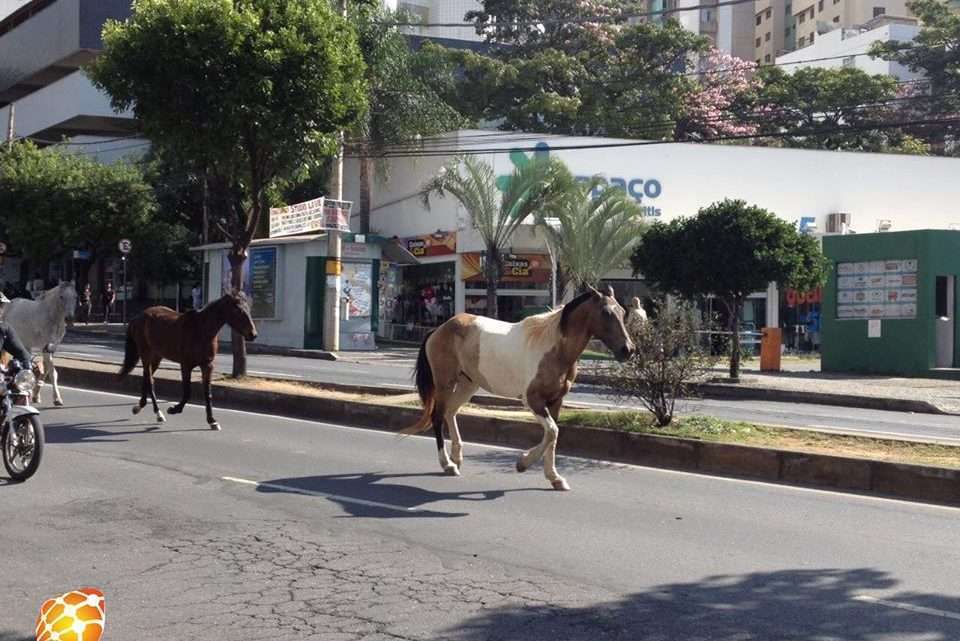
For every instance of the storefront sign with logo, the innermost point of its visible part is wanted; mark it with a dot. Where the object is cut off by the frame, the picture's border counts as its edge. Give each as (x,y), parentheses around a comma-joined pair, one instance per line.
(440,243)
(516,268)
(795,298)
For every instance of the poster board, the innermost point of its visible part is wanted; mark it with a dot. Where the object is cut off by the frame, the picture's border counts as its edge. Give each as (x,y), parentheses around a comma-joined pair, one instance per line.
(878,289)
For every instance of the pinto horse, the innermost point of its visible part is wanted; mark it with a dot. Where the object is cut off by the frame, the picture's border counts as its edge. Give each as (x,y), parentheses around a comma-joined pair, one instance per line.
(534,360)
(189,339)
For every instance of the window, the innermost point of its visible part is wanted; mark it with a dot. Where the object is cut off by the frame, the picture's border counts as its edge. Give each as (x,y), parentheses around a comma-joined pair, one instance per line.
(811,13)
(801,42)
(836,18)
(879,11)
(802,17)
(759,18)
(766,58)
(758,42)
(766,38)
(836,1)
(811,37)
(820,6)
(769,13)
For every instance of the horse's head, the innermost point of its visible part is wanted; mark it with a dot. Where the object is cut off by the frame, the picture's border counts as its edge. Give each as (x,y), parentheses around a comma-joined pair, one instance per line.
(237,314)
(66,294)
(606,322)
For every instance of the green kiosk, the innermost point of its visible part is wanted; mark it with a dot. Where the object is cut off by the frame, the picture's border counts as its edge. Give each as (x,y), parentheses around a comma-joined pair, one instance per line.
(890,303)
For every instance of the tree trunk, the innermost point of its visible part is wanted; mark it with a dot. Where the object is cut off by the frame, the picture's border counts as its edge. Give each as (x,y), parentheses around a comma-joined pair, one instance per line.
(736,309)
(493,276)
(237,257)
(366,190)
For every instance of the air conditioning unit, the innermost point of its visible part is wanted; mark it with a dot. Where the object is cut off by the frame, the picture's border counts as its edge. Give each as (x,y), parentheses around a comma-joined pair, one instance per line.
(838,223)
(884,225)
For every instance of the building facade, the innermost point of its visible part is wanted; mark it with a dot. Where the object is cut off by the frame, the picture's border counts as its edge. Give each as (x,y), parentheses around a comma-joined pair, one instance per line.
(843,48)
(774,30)
(814,18)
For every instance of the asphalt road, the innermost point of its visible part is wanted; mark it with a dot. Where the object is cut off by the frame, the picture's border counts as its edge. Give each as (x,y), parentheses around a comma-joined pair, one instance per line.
(284,529)
(929,427)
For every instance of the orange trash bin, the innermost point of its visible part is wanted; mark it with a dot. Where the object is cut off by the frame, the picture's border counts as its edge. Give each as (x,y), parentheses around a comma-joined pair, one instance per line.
(770,341)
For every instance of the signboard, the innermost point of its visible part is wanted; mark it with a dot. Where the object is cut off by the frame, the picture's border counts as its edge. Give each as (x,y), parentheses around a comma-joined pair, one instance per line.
(517,268)
(125,245)
(874,328)
(877,289)
(356,297)
(259,280)
(440,243)
(313,215)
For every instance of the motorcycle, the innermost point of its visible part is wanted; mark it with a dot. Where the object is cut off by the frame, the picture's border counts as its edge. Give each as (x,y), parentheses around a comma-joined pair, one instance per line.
(21,431)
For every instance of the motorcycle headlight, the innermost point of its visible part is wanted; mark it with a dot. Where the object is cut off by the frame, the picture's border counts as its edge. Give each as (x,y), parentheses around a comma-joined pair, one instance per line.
(24,382)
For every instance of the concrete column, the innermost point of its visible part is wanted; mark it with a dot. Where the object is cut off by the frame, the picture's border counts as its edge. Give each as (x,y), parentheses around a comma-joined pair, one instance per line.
(773,305)
(459,288)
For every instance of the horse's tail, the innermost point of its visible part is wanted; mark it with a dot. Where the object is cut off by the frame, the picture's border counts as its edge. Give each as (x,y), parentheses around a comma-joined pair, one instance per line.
(425,388)
(130,353)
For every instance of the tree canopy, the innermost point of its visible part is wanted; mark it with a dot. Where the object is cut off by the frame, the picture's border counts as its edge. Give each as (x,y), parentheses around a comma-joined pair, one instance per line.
(728,250)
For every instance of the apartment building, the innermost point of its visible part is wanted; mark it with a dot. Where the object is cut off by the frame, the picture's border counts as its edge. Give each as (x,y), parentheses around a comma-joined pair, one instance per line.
(439,11)
(728,27)
(816,17)
(774,29)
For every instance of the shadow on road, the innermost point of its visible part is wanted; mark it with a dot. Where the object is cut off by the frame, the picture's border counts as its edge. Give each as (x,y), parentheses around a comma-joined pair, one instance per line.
(70,406)
(14,636)
(350,491)
(506,462)
(98,433)
(796,605)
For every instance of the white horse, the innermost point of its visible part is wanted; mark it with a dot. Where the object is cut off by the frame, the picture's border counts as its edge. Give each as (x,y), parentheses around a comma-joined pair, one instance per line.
(41,324)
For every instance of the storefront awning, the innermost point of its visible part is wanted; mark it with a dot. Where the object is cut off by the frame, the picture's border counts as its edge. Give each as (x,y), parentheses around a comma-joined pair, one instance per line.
(397,253)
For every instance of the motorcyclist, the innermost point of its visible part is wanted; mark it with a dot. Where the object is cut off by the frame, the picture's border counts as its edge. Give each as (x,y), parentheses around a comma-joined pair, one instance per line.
(10,343)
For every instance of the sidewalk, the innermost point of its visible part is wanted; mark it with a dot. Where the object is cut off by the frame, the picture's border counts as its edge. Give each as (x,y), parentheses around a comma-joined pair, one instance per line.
(800,382)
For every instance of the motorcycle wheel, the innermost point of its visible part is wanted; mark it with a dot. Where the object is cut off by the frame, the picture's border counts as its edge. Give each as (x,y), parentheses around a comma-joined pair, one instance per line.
(22,445)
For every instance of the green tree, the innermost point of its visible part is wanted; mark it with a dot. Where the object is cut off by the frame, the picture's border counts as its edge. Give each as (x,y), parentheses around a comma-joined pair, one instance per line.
(728,250)
(473,182)
(839,109)
(403,107)
(592,236)
(54,201)
(550,71)
(252,91)
(934,54)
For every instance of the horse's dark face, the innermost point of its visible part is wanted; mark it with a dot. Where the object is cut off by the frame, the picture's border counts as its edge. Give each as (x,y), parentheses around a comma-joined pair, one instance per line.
(606,323)
(238,316)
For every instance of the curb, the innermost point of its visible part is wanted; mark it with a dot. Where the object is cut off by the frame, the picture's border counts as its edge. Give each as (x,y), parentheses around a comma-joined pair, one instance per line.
(894,480)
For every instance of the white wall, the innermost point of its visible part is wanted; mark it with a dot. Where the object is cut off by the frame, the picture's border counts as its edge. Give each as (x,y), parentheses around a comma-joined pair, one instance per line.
(9,6)
(913,192)
(833,45)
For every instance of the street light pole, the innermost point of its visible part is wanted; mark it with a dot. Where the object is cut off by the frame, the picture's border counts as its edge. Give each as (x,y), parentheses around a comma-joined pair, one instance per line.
(123,316)
(555,225)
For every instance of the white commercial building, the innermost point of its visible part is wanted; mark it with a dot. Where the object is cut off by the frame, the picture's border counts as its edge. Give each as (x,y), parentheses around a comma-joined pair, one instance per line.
(842,48)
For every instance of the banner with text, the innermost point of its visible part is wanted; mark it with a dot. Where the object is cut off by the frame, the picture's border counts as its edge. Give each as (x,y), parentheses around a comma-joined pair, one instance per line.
(319,214)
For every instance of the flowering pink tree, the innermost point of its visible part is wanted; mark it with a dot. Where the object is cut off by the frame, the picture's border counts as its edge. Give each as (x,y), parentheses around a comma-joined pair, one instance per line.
(717,103)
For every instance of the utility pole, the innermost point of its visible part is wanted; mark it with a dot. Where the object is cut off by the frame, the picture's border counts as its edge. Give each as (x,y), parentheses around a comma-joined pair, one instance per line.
(331,316)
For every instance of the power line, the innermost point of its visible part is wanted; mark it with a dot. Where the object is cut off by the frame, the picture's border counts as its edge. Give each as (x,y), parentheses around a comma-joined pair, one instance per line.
(571,20)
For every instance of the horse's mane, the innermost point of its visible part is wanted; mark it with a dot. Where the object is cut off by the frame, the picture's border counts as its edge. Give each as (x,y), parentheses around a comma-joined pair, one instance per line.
(543,329)
(571,307)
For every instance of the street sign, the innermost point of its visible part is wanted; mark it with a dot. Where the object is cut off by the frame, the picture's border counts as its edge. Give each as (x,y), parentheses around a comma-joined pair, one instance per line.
(3,249)
(125,245)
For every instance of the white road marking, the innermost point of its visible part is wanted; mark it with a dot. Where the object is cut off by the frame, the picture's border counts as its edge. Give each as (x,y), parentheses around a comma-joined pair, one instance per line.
(919,609)
(501,448)
(917,438)
(325,495)
(253,371)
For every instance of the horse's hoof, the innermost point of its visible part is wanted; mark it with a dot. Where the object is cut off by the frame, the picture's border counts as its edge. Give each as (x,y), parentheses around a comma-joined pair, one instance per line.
(215,427)
(58,402)
(452,470)
(561,484)
(173,409)
(521,467)
(161,418)
(136,409)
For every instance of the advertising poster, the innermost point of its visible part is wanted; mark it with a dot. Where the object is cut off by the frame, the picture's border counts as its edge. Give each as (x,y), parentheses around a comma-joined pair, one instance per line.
(259,280)
(877,289)
(356,328)
(517,268)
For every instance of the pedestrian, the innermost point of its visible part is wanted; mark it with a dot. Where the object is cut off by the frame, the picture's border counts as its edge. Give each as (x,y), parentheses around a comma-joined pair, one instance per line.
(86,304)
(197,294)
(109,297)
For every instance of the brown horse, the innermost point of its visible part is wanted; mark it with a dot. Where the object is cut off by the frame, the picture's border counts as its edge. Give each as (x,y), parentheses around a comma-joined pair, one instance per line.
(534,360)
(189,339)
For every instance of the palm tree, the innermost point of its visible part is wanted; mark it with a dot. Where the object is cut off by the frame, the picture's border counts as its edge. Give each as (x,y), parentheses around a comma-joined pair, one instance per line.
(532,187)
(592,236)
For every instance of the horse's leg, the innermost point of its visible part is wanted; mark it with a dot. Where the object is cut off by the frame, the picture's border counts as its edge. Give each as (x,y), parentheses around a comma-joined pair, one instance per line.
(547,447)
(206,370)
(464,392)
(52,376)
(144,383)
(154,366)
(185,371)
(439,411)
